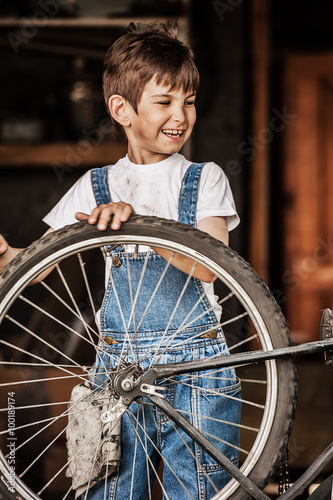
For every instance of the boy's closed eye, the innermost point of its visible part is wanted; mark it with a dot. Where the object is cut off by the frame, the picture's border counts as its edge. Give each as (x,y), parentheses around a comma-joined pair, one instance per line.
(167,103)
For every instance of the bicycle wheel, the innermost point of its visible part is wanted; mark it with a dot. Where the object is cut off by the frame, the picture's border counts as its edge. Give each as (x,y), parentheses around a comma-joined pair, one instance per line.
(48,343)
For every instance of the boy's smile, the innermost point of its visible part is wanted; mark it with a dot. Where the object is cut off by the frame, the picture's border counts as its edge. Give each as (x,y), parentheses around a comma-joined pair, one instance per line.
(164,122)
(174,134)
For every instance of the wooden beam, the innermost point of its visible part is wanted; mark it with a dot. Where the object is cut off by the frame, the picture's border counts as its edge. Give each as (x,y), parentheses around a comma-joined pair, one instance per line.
(70,155)
(258,253)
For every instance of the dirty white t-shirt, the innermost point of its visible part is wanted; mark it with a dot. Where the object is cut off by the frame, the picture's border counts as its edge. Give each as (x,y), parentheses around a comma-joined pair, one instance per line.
(154,190)
(151,190)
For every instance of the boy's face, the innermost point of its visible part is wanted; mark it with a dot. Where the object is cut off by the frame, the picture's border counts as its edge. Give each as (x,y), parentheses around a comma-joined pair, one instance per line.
(164,122)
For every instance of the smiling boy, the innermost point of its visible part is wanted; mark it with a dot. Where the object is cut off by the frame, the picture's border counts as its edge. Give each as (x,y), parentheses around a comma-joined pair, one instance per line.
(150,84)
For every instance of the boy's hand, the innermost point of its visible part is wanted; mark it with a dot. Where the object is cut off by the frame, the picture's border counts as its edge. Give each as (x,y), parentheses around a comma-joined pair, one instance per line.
(103,214)
(3,246)
(7,253)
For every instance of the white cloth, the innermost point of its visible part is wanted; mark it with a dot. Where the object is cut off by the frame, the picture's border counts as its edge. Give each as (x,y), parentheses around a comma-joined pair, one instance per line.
(94,447)
(151,189)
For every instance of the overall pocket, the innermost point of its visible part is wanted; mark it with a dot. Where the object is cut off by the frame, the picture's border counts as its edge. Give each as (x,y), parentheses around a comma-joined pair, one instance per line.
(216,407)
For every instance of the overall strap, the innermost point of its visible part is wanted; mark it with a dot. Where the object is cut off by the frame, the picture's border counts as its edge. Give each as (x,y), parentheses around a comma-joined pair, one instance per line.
(189,192)
(100,184)
(99,180)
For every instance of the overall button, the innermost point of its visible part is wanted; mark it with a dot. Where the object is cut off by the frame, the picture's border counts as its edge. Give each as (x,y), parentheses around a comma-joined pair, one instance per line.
(212,334)
(116,262)
(110,341)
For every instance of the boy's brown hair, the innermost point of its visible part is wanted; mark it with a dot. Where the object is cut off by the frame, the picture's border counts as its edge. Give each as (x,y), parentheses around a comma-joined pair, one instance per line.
(136,56)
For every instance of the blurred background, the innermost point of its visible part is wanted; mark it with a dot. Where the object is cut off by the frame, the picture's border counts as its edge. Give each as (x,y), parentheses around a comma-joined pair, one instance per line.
(265,115)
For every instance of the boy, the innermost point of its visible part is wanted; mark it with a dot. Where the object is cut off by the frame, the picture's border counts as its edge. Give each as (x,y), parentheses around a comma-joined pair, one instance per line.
(150,83)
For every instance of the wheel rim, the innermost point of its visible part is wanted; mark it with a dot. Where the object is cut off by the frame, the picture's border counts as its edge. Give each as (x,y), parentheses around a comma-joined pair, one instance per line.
(249,305)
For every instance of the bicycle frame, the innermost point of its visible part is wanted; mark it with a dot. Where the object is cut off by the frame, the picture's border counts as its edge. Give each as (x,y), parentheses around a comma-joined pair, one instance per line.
(162,371)
(239,359)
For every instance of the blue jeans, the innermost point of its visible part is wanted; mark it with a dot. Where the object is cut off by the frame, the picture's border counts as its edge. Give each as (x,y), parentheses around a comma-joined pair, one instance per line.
(208,403)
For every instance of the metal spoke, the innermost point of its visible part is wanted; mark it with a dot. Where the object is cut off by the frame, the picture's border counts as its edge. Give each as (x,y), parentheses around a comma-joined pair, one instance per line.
(126,336)
(51,316)
(236,318)
(30,407)
(70,309)
(85,325)
(234,424)
(135,449)
(191,452)
(158,284)
(86,282)
(146,445)
(36,380)
(164,460)
(242,342)
(8,344)
(216,392)
(173,313)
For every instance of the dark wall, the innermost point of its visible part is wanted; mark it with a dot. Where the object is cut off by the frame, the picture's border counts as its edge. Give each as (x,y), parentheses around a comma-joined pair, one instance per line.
(220,41)
(301,25)
(26,196)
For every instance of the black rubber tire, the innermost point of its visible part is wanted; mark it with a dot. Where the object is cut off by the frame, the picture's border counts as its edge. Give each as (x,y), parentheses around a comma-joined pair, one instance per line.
(39,256)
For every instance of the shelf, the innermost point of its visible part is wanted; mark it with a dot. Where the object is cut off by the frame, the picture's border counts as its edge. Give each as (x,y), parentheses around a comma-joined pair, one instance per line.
(80,22)
(69,155)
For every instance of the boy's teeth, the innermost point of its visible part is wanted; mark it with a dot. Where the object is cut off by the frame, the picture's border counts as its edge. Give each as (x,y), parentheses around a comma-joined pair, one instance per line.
(173,133)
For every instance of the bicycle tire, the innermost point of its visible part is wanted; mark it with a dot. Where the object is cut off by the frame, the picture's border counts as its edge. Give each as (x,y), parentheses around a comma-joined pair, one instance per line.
(232,270)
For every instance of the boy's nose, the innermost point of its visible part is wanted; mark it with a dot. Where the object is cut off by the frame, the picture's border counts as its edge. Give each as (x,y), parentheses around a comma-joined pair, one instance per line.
(179,115)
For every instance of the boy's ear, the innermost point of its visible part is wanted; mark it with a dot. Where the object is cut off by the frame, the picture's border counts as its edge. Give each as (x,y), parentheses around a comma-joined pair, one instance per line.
(118,107)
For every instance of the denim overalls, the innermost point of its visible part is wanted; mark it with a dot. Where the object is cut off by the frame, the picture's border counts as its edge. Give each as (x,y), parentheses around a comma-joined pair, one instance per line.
(184,332)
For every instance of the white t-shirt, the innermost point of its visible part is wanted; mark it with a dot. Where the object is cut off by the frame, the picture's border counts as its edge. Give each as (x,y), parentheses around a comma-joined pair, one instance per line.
(152,189)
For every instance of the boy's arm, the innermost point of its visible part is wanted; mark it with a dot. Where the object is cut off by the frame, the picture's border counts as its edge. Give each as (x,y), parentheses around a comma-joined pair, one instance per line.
(7,253)
(216,227)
